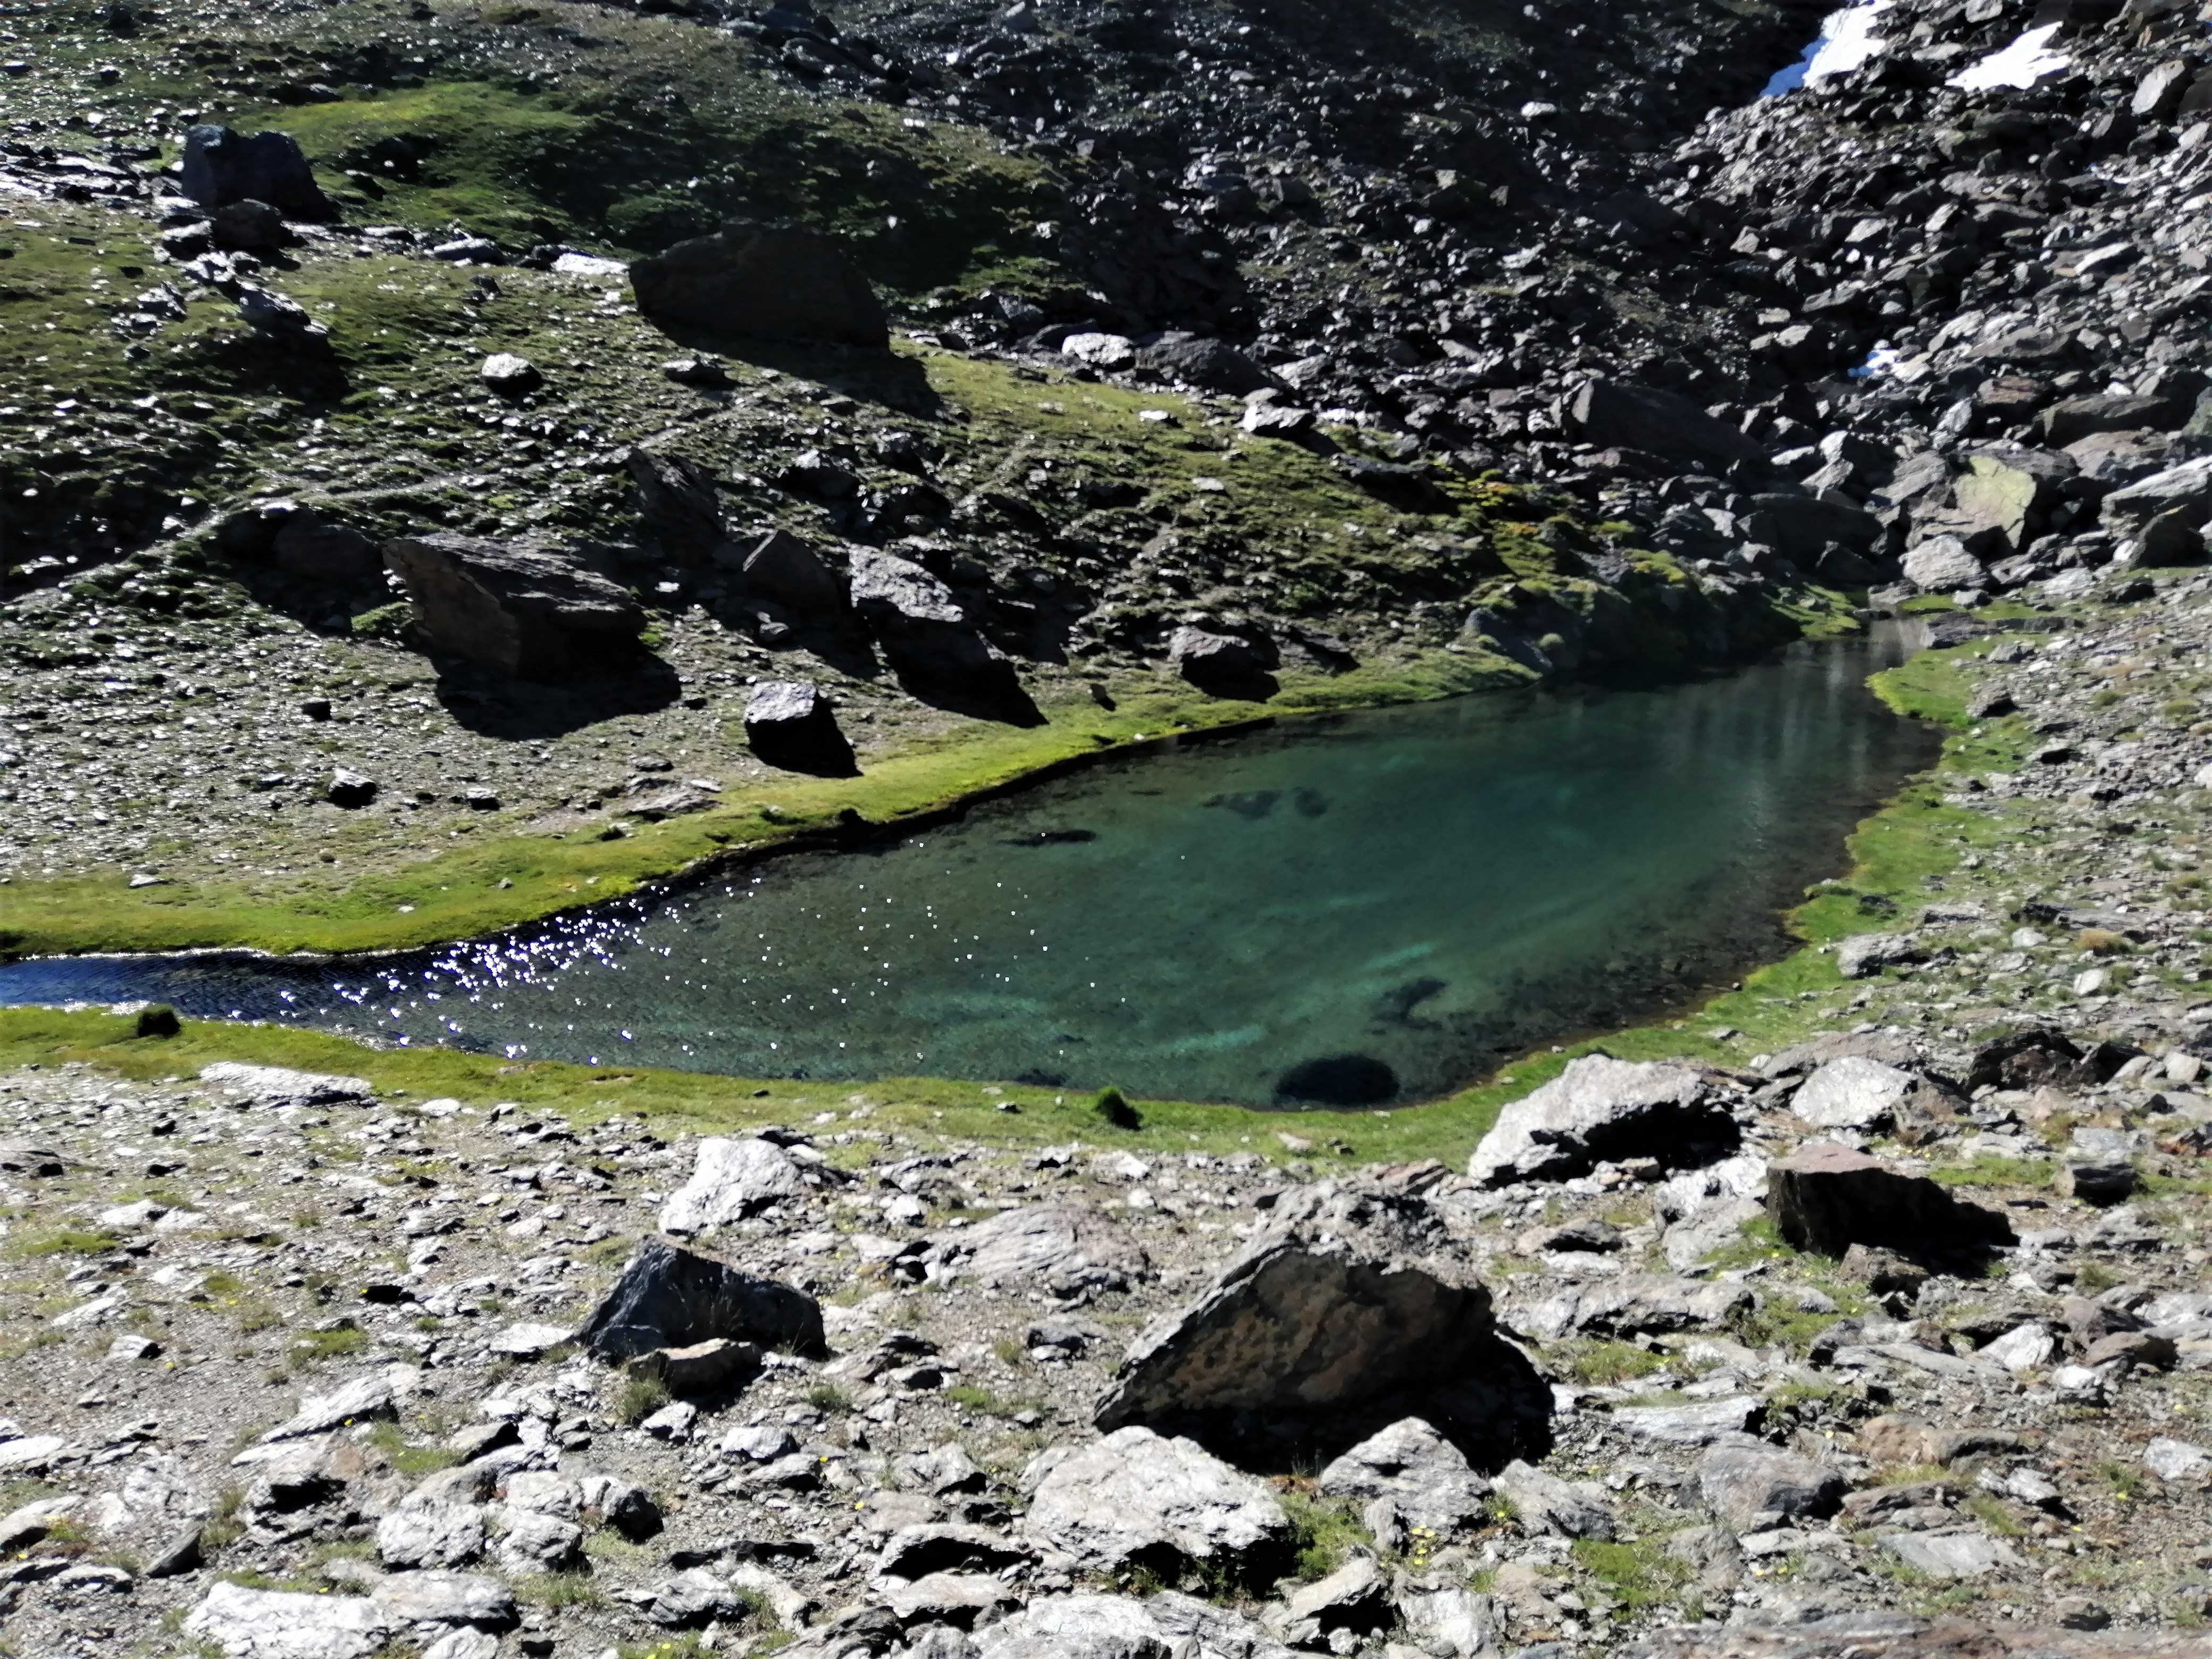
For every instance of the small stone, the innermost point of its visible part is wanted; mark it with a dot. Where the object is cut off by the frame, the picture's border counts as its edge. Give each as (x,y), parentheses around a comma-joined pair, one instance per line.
(510,376)
(350,789)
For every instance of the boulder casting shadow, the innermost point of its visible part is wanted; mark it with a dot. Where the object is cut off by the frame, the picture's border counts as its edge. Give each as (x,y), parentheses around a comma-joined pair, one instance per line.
(1348,1315)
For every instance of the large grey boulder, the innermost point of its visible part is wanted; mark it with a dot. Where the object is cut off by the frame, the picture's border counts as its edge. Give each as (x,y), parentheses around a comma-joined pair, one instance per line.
(1544,1503)
(925,631)
(1827,1198)
(1601,1109)
(1956,1553)
(1745,1482)
(1941,564)
(1222,664)
(1425,1477)
(669,1296)
(221,167)
(1346,1298)
(1082,1626)
(1853,1092)
(2000,502)
(729,1181)
(749,279)
(1801,528)
(524,609)
(1137,1498)
(2185,489)
(1631,1305)
(273,1087)
(427,1602)
(778,566)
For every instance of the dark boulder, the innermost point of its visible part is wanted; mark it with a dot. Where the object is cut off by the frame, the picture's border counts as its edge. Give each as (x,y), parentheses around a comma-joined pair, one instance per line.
(221,167)
(249,227)
(1802,528)
(680,501)
(669,1296)
(790,725)
(1610,414)
(780,567)
(311,546)
(1223,663)
(1826,1198)
(749,279)
(1205,365)
(925,633)
(526,610)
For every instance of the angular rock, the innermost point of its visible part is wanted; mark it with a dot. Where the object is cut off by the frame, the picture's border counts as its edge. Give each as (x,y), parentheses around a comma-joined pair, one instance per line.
(1422,1474)
(434,1600)
(1701,1424)
(1633,1304)
(2185,489)
(275,1087)
(703,1368)
(1080,1626)
(2097,1180)
(669,1296)
(1546,1503)
(1742,1483)
(526,610)
(431,1536)
(1341,1300)
(1941,564)
(749,279)
(508,375)
(925,632)
(1222,664)
(1964,1552)
(781,567)
(1208,365)
(2177,1459)
(364,1400)
(1601,1109)
(790,724)
(1864,955)
(1609,413)
(1852,1093)
(1137,1498)
(221,167)
(729,1181)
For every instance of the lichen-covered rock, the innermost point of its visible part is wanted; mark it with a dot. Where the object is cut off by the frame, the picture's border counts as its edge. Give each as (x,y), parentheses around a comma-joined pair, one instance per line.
(1602,1109)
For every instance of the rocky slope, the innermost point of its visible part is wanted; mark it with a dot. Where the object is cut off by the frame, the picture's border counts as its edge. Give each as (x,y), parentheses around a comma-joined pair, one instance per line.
(1243,354)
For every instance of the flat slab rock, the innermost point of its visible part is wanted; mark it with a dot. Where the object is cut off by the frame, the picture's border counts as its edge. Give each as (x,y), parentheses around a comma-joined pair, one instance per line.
(1139,1498)
(1599,1109)
(1064,1247)
(279,1086)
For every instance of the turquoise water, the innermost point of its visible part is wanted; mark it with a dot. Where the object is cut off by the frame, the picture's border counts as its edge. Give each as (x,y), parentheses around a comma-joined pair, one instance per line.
(1365,909)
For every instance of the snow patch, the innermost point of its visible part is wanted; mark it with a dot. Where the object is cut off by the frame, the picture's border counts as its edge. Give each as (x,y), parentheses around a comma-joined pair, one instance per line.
(1847,41)
(2022,63)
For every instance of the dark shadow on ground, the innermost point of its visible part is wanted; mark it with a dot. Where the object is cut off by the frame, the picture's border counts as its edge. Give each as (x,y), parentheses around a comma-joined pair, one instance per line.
(1500,1410)
(496,705)
(870,377)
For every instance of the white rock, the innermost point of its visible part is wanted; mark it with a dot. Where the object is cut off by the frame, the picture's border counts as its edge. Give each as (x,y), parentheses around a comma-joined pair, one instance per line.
(2024,1348)
(732,1180)
(253,1624)
(2176,1460)
(1852,1093)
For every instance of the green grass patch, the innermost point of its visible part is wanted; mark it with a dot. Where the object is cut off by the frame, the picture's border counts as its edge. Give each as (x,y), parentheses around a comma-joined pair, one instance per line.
(1323,1533)
(69,1240)
(1602,1363)
(1641,1575)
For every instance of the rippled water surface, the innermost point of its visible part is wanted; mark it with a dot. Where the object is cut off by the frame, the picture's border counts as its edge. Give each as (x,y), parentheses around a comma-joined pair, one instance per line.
(1365,909)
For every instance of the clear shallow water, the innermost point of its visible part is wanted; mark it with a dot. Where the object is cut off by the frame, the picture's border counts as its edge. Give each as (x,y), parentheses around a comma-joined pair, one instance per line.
(1370,908)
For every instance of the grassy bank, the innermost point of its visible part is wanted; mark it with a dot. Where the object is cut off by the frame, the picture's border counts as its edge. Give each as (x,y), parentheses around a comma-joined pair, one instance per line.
(500,883)
(1916,836)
